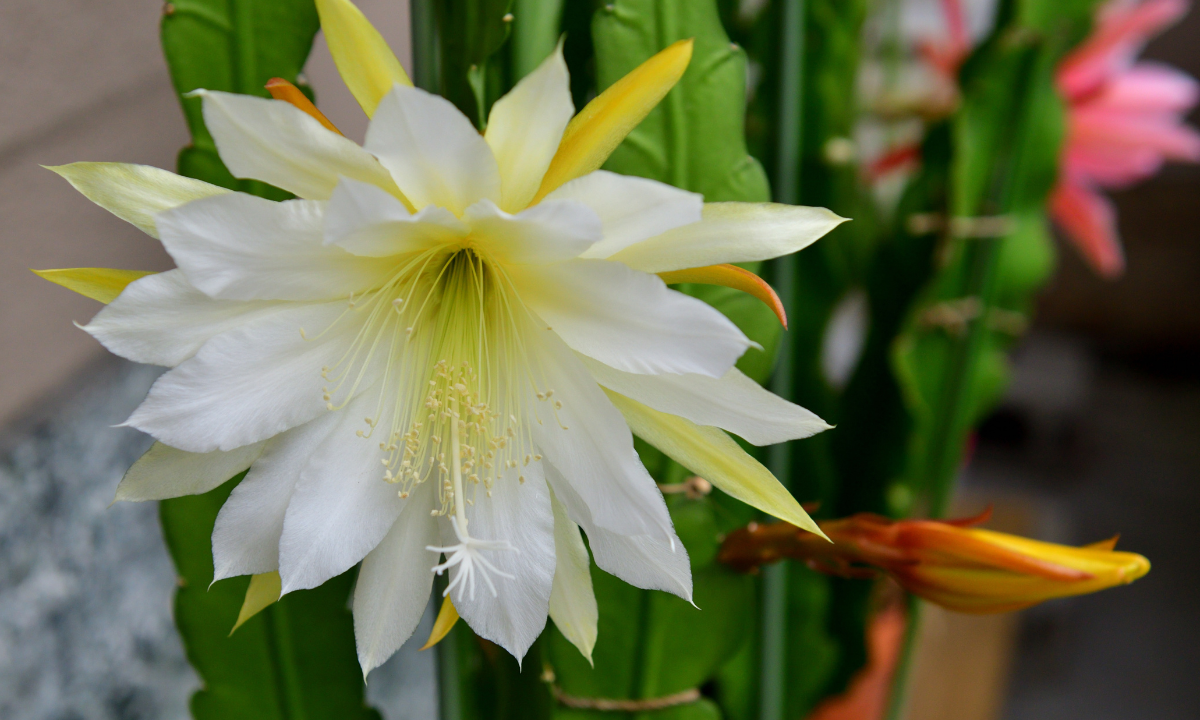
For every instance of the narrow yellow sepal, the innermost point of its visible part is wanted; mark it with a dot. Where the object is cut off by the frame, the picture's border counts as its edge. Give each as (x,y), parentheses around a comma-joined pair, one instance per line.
(366,63)
(600,127)
(103,284)
(446,618)
(263,592)
(716,457)
(730,276)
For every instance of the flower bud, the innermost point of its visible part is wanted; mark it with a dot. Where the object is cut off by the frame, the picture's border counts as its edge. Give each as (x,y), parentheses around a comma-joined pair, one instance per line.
(947,563)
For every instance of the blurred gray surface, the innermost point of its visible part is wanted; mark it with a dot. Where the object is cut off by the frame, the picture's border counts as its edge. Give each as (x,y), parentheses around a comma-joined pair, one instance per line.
(1108,446)
(85,589)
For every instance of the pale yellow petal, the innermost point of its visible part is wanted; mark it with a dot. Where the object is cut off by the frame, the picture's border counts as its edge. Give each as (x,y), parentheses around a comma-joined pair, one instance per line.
(600,127)
(446,618)
(572,600)
(366,63)
(103,284)
(716,457)
(134,193)
(262,593)
(525,127)
(731,232)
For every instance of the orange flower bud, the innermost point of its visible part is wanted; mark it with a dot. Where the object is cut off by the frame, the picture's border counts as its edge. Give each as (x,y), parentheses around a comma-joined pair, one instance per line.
(945,562)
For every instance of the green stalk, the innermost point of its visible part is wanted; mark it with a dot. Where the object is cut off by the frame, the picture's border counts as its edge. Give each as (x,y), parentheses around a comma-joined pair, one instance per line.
(773,658)
(424,45)
(535,31)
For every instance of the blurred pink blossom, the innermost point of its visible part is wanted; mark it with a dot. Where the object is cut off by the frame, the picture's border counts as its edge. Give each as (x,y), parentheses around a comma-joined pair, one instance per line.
(1125,119)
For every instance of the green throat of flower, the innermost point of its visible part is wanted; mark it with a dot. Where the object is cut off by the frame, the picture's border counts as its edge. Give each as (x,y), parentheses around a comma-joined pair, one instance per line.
(445,345)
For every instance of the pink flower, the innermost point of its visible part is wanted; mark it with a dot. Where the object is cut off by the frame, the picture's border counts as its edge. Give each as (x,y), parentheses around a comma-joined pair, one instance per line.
(1125,119)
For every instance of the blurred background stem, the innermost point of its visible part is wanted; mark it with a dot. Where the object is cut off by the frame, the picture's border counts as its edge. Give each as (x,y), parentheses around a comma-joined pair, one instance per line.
(773,660)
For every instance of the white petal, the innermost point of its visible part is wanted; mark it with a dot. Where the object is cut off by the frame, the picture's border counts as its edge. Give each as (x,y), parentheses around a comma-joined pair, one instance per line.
(525,127)
(342,507)
(732,232)
(651,563)
(365,220)
(247,384)
(603,481)
(280,144)
(241,247)
(629,319)
(572,600)
(394,582)
(520,514)
(643,561)
(166,472)
(631,208)
(134,193)
(245,539)
(162,320)
(545,233)
(733,402)
(432,150)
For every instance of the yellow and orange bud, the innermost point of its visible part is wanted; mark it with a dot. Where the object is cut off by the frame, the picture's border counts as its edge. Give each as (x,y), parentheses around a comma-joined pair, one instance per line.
(947,563)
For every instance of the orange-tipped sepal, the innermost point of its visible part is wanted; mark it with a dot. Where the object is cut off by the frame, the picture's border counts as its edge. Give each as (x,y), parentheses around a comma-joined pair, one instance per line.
(281,89)
(446,618)
(730,276)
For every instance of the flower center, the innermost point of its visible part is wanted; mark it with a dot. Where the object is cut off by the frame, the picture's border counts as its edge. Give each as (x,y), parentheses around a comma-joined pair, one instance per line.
(445,343)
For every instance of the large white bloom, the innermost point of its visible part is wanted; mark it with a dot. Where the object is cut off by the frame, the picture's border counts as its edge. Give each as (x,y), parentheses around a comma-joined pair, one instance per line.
(423,356)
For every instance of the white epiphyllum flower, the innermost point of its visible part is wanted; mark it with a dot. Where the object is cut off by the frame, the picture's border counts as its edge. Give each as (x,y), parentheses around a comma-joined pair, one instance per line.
(439,349)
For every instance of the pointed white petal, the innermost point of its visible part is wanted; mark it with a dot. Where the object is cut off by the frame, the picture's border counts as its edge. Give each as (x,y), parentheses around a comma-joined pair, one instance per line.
(631,208)
(277,143)
(166,472)
(572,600)
(643,561)
(545,233)
(246,384)
(651,563)
(162,320)
(245,539)
(629,319)
(241,247)
(603,481)
(520,514)
(732,232)
(365,220)
(341,508)
(394,582)
(134,193)
(525,127)
(432,150)
(733,402)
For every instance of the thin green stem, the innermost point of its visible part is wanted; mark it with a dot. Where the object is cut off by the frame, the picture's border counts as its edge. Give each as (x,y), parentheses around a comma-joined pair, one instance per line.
(424,45)
(773,652)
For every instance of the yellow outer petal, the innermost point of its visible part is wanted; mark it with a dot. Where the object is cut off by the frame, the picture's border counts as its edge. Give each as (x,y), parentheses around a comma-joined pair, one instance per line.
(446,618)
(103,284)
(716,457)
(600,127)
(730,276)
(366,63)
(263,591)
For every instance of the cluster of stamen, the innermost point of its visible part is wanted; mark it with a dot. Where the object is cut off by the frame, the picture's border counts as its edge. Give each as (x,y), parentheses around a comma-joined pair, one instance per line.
(444,341)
